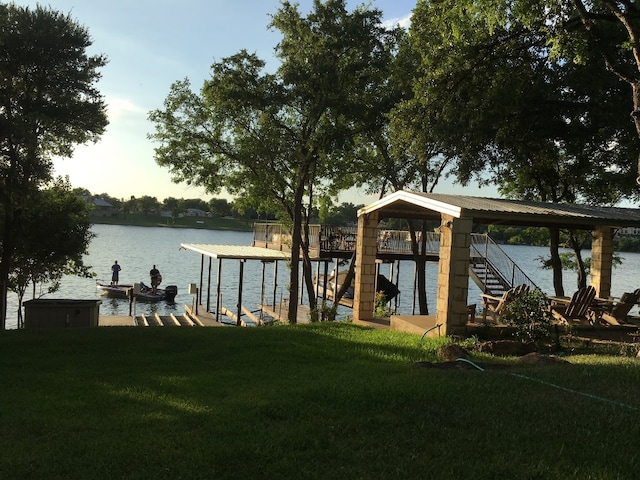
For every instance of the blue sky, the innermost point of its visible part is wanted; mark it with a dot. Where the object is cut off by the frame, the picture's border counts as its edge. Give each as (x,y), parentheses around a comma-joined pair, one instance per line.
(150,44)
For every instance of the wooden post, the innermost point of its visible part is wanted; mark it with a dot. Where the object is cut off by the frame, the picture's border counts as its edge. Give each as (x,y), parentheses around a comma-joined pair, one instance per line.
(201,279)
(239,305)
(218,293)
(209,287)
(264,266)
(275,284)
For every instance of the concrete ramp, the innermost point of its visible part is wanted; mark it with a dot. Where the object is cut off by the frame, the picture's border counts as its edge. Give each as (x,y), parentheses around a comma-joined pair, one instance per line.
(418,324)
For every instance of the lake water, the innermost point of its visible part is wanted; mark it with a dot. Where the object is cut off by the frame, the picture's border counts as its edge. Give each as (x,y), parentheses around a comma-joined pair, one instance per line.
(137,249)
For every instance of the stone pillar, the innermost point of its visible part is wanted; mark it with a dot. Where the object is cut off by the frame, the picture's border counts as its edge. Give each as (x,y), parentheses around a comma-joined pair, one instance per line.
(602,260)
(366,251)
(453,274)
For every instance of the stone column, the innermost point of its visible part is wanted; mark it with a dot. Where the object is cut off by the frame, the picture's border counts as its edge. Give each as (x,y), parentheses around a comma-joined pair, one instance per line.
(602,260)
(366,251)
(453,274)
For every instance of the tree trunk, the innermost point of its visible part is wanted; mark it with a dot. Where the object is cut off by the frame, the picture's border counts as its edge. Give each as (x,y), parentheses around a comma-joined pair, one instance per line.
(7,243)
(296,243)
(421,266)
(556,263)
(576,246)
(582,272)
(4,280)
(635,88)
(307,267)
(351,273)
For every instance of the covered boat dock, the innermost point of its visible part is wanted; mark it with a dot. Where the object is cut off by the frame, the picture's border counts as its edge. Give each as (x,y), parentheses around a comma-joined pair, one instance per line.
(457,216)
(241,254)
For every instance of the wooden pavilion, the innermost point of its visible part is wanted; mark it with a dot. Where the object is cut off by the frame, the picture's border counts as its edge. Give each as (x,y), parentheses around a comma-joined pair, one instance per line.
(457,216)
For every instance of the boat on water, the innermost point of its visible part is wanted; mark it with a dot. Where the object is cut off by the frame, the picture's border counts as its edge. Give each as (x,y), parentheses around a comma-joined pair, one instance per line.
(383,284)
(146,293)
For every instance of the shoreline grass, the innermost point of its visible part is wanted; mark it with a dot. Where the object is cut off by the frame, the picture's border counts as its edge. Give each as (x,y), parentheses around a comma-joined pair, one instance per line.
(314,401)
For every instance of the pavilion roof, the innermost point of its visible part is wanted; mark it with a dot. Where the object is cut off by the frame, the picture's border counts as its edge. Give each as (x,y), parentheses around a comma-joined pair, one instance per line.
(430,206)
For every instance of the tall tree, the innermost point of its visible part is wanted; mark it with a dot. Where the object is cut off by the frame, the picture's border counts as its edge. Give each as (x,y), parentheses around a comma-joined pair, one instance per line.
(279,140)
(399,152)
(220,207)
(513,115)
(48,103)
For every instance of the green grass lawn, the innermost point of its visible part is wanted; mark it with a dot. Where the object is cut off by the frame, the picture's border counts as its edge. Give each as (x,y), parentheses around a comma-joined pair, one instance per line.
(325,401)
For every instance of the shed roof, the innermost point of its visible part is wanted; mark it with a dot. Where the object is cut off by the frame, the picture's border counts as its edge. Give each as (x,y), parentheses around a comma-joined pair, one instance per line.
(430,206)
(236,252)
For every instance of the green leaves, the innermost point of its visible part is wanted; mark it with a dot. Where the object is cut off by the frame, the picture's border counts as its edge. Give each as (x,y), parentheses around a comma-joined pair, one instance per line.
(499,89)
(48,104)
(265,136)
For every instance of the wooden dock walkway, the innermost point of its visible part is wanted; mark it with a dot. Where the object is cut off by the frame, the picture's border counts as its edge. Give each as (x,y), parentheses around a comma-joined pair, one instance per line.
(417,324)
(187,319)
(116,321)
(279,312)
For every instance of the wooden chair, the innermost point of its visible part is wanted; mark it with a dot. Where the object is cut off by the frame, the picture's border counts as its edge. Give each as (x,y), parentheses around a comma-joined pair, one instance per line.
(496,306)
(621,309)
(577,310)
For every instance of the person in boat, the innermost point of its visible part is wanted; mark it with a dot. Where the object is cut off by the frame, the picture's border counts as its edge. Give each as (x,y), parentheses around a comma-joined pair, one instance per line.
(154,273)
(115,273)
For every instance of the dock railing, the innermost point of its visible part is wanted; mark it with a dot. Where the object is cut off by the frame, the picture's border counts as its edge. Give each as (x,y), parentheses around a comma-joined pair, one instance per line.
(330,238)
(399,241)
(276,237)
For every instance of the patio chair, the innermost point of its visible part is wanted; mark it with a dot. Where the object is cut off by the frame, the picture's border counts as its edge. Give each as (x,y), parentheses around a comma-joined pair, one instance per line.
(621,309)
(496,306)
(577,310)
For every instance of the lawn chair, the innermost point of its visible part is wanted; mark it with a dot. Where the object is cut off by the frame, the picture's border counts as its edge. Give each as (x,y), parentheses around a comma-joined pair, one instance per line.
(621,309)
(496,306)
(577,310)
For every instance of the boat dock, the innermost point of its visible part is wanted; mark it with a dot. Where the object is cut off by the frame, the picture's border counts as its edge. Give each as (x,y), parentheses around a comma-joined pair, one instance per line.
(188,319)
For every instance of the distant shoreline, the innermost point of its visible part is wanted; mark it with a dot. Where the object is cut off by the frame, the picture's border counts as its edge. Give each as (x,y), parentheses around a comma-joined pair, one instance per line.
(152,220)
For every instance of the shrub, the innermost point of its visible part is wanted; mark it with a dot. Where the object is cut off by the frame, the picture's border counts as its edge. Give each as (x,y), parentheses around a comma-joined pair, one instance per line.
(382,308)
(529,314)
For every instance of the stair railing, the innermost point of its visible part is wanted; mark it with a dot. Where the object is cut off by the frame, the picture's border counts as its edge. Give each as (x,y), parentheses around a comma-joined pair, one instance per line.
(497,260)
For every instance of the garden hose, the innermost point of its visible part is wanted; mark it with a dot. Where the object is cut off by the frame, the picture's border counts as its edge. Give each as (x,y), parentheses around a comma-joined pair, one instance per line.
(577,392)
(438,325)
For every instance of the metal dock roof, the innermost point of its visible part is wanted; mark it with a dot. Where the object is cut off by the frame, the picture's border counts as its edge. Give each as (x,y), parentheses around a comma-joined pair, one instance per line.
(237,252)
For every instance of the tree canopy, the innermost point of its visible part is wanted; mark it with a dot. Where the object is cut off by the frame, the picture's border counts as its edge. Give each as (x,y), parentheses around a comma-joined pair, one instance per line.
(44,258)
(511,112)
(569,45)
(48,104)
(279,140)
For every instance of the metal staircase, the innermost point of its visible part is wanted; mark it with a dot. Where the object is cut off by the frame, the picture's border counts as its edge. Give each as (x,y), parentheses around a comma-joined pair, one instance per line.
(492,269)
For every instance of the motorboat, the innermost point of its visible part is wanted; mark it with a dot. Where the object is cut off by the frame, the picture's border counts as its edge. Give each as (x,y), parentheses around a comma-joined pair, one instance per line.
(146,293)
(383,284)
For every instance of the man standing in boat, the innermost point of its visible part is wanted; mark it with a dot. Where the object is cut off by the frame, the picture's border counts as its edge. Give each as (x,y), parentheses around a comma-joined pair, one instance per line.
(115,273)
(154,273)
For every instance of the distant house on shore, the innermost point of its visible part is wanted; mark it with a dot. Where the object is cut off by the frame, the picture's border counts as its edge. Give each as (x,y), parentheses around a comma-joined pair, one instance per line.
(101,208)
(170,214)
(196,212)
(629,232)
